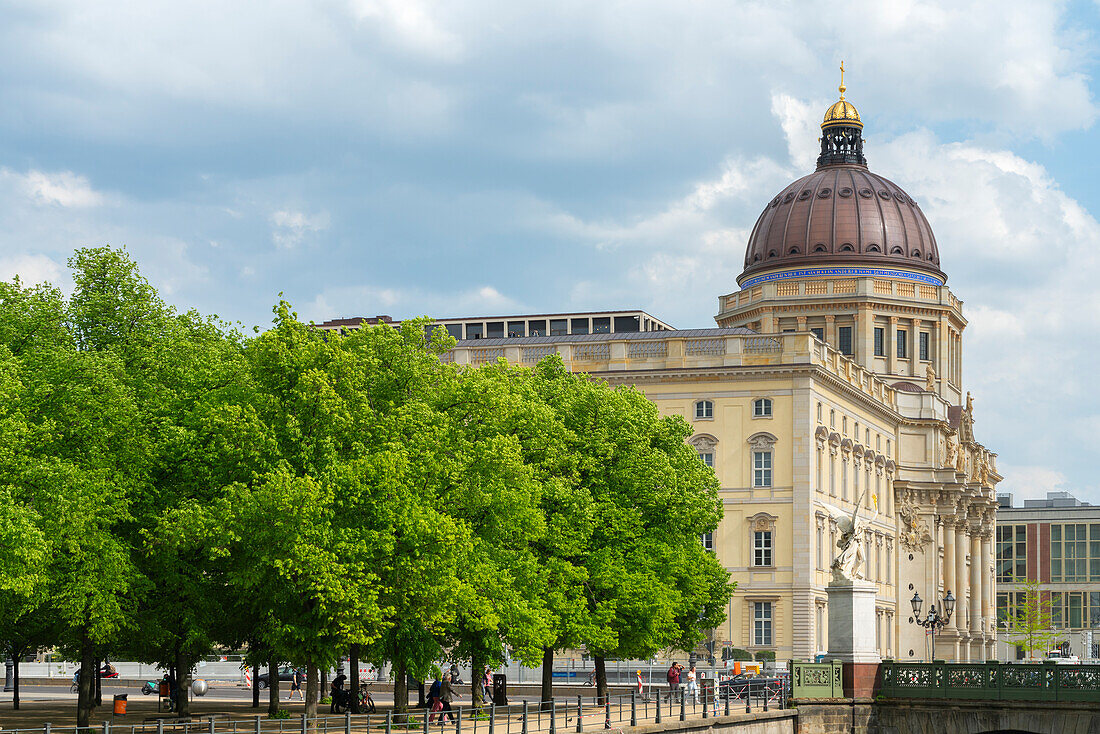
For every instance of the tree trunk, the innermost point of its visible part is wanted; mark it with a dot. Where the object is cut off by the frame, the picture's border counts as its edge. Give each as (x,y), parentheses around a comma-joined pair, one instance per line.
(353,676)
(15,689)
(477,678)
(98,683)
(272,687)
(86,683)
(547,675)
(400,687)
(255,686)
(311,694)
(323,689)
(183,682)
(601,679)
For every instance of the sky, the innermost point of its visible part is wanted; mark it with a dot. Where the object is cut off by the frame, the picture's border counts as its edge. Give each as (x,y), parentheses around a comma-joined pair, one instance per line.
(410,157)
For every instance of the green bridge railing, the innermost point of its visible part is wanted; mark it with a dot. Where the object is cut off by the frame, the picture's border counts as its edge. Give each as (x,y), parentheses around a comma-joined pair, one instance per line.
(991,681)
(816,680)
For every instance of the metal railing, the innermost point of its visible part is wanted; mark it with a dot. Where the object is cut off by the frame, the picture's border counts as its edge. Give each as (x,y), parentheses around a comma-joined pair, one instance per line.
(991,681)
(559,716)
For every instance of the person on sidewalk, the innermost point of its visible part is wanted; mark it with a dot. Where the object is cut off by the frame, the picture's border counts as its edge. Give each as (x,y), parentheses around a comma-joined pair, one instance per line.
(434,703)
(296,685)
(693,685)
(673,677)
(446,693)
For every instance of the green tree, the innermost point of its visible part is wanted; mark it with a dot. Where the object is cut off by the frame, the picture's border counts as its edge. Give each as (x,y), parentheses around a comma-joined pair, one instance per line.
(1029,622)
(648,583)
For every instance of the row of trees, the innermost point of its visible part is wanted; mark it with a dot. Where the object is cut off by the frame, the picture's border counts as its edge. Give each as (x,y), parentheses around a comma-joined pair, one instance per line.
(169,485)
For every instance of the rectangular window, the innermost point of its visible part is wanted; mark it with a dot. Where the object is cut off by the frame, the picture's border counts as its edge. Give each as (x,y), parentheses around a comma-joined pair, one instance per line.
(474,331)
(707,540)
(880,342)
(820,546)
(601,325)
(762,623)
(494,330)
(538,328)
(844,339)
(579,326)
(707,457)
(1069,547)
(1011,552)
(627,323)
(761,468)
(762,548)
(517,328)
(819,333)
(559,327)
(455,330)
(901,338)
(924,345)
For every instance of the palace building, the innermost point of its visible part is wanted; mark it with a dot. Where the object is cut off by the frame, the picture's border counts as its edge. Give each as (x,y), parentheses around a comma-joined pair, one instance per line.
(835,372)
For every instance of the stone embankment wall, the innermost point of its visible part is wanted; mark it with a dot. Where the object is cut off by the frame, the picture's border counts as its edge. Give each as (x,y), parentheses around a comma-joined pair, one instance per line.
(782,721)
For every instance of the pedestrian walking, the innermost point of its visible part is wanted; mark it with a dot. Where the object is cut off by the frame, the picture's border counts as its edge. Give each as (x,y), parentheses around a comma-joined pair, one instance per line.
(434,703)
(296,685)
(693,685)
(673,677)
(446,693)
(487,685)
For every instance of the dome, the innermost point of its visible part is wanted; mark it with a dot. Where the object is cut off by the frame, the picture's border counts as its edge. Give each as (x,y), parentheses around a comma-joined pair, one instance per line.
(842,215)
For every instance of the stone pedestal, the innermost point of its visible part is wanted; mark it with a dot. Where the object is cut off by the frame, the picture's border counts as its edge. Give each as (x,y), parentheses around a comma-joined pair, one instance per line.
(852,636)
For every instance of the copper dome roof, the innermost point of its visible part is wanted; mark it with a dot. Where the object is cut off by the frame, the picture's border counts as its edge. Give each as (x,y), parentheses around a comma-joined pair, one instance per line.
(842,215)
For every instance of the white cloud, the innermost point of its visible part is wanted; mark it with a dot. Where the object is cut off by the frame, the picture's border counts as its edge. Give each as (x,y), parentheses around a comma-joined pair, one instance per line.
(31,269)
(1033,482)
(350,301)
(63,188)
(414,24)
(291,228)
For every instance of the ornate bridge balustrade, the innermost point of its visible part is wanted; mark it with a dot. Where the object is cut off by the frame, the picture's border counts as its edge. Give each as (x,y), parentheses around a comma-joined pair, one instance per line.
(816,680)
(991,681)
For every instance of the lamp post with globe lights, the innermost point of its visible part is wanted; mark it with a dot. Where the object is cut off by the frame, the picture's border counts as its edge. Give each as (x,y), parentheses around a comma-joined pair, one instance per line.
(936,619)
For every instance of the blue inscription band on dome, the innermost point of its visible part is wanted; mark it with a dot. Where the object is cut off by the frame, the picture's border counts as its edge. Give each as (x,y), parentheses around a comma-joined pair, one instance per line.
(819,272)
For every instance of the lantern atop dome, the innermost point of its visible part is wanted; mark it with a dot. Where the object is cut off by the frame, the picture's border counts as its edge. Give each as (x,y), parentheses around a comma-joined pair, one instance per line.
(841,133)
(842,112)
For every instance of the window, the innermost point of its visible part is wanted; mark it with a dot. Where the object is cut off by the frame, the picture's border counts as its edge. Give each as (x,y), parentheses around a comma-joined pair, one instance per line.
(819,333)
(707,457)
(707,539)
(579,326)
(761,468)
(627,323)
(455,330)
(494,330)
(924,345)
(880,342)
(762,623)
(762,548)
(537,328)
(517,328)
(901,337)
(473,331)
(559,327)
(704,409)
(1011,550)
(844,339)
(762,408)
(601,325)
(1069,548)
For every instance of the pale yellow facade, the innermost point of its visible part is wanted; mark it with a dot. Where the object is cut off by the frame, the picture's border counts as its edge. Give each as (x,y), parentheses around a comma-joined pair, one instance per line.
(834,429)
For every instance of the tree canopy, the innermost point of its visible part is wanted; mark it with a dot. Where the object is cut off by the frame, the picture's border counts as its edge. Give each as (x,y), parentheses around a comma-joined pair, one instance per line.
(169,485)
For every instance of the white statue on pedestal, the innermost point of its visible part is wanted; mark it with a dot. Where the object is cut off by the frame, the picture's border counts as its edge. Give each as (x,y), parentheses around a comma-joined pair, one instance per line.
(848,564)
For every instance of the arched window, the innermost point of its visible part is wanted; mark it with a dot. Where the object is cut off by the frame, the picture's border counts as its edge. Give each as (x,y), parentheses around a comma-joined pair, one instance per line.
(762,408)
(763,458)
(706,445)
(704,410)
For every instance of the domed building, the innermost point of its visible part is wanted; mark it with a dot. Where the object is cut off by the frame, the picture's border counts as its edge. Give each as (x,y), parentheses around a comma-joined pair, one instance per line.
(834,377)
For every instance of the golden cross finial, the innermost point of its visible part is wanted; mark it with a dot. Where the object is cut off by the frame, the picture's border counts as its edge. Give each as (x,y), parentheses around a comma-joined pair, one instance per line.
(843,88)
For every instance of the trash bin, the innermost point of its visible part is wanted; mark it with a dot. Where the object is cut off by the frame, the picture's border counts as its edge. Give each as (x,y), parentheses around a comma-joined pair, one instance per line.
(120,704)
(500,689)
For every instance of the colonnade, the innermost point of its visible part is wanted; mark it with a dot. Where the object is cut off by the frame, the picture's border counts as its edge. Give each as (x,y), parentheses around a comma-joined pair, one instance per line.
(972,627)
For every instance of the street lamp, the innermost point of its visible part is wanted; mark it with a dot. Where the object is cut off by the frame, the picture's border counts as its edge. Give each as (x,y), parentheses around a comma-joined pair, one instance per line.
(935,619)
